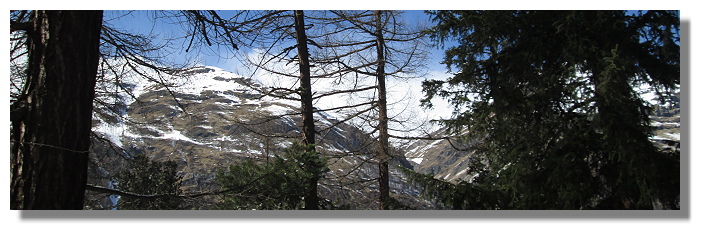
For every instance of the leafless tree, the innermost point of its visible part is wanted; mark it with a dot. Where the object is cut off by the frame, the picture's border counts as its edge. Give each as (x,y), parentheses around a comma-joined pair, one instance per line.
(351,55)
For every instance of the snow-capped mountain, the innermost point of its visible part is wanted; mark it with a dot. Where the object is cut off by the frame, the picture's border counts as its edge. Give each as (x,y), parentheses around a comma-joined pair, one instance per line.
(212,118)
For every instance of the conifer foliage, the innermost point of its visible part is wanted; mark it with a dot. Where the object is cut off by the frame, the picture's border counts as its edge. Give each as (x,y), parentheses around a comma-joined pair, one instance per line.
(150,178)
(279,184)
(551,96)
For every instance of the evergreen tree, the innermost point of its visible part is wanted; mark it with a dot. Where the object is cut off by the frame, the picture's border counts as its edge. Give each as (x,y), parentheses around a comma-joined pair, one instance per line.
(551,96)
(149,178)
(280,184)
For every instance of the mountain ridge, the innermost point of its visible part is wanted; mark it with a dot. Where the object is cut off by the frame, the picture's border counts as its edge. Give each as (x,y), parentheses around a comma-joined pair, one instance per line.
(214,118)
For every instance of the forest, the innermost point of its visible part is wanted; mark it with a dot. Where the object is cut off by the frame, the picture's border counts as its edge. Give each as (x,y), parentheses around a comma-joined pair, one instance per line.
(547,111)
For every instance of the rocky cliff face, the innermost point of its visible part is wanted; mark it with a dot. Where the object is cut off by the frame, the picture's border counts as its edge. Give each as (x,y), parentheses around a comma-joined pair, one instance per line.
(213,119)
(440,158)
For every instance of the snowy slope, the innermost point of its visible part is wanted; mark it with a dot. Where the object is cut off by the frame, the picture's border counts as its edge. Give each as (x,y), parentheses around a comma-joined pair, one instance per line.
(213,118)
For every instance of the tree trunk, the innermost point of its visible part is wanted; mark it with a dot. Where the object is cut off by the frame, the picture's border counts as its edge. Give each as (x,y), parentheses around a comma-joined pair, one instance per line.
(383,118)
(309,129)
(51,122)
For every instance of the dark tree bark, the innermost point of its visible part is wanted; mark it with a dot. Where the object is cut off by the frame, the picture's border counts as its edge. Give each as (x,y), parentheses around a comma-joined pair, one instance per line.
(51,121)
(383,126)
(309,129)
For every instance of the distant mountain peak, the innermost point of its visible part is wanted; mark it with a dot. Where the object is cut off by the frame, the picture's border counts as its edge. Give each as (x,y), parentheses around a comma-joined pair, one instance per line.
(226,120)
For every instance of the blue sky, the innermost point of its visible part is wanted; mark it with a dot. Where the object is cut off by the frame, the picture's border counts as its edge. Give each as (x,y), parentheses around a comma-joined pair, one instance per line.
(219,56)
